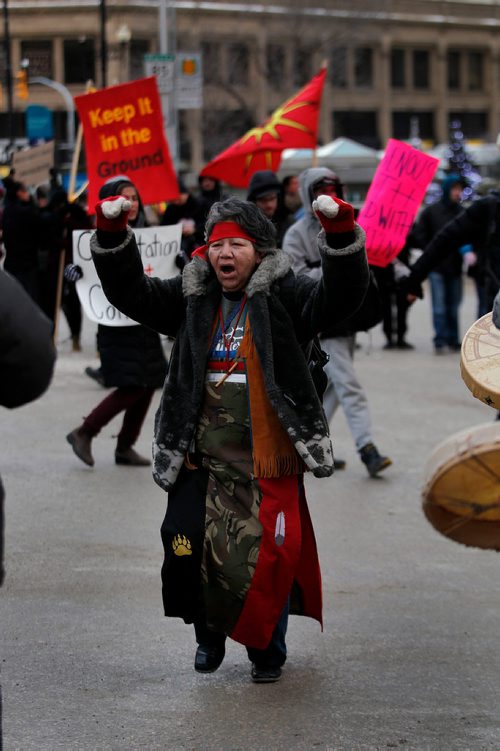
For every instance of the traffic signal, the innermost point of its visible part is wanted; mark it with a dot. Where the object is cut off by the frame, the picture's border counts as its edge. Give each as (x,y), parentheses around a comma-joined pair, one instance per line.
(22,84)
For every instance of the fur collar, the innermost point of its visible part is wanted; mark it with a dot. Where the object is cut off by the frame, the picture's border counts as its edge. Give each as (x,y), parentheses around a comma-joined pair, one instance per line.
(198,272)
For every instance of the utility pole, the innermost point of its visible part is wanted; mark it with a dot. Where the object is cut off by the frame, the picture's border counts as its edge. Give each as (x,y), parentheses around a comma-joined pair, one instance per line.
(168,46)
(104,43)
(8,75)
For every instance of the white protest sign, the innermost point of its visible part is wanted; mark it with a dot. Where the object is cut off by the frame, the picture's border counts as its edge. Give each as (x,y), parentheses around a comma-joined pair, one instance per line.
(158,247)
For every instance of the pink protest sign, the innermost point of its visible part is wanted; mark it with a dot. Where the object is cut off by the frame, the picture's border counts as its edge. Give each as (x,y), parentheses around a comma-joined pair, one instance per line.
(393,199)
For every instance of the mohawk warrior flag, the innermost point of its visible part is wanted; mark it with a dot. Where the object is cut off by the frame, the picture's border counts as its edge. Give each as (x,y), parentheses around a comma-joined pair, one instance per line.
(293,125)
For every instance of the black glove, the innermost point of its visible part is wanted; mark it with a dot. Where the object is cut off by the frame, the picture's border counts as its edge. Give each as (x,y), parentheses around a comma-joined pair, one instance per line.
(409,286)
(72,272)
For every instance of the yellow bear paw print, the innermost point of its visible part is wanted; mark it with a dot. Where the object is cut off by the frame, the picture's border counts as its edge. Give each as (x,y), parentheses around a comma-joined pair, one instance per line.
(181,545)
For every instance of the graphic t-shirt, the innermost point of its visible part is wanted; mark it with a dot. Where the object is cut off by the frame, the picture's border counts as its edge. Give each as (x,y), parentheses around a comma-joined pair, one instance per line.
(227,339)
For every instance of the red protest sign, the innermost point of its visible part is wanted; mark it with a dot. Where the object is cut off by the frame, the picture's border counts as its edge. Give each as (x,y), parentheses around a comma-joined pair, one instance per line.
(393,199)
(123,132)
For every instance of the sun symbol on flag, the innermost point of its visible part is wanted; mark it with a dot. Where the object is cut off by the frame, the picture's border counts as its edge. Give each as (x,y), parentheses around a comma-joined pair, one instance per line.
(279,117)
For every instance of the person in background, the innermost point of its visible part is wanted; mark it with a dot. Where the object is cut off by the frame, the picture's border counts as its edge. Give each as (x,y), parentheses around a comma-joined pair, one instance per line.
(71,215)
(239,420)
(338,340)
(21,236)
(395,306)
(266,192)
(477,226)
(132,361)
(210,191)
(291,194)
(51,245)
(185,210)
(446,278)
(9,179)
(27,357)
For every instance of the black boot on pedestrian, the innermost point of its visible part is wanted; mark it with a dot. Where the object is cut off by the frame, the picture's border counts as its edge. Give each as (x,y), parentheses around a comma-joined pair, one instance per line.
(131,458)
(374,462)
(403,344)
(265,673)
(81,441)
(209,658)
(95,374)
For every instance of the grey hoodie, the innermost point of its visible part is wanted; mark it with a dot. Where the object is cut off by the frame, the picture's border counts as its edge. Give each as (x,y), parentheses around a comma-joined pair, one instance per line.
(301,240)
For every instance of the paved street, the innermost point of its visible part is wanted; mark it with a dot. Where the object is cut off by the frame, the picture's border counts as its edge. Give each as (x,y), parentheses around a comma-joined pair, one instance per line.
(410,653)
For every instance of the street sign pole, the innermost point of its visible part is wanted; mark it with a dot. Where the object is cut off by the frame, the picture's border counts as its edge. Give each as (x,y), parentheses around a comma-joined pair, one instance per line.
(167,40)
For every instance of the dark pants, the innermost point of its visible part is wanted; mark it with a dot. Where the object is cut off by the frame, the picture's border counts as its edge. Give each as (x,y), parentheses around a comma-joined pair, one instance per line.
(273,656)
(72,308)
(394,305)
(134,400)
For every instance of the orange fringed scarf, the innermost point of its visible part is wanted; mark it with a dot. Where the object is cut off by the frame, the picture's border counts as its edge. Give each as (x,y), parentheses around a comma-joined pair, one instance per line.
(273,453)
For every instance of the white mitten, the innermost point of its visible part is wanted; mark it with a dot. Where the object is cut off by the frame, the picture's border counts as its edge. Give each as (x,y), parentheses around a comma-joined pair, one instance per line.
(112,213)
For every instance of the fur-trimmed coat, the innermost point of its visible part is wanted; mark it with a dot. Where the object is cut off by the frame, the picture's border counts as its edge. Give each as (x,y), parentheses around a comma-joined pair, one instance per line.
(285,311)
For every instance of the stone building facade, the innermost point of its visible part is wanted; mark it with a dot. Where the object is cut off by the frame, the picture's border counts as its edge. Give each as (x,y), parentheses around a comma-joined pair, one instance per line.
(393,65)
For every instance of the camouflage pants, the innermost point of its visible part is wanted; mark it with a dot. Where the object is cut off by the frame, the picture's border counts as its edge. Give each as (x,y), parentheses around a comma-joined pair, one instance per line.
(232,527)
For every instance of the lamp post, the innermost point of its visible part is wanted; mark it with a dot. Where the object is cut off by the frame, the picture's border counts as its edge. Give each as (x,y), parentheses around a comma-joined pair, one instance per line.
(167,37)
(124,35)
(104,43)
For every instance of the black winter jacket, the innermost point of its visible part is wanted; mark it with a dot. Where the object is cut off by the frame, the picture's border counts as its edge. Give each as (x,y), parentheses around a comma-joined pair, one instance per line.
(431,221)
(27,355)
(186,308)
(131,356)
(21,235)
(473,226)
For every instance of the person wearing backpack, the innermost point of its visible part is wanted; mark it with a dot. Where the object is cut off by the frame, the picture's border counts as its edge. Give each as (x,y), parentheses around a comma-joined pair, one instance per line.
(339,341)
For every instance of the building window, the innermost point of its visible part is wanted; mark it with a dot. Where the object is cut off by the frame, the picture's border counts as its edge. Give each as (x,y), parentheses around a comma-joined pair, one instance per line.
(338,74)
(138,48)
(275,63)
(474,124)
(211,61)
(238,64)
(363,67)
(453,70)
(475,68)
(398,69)
(39,54)
(360,126)
(79,60)
(420,69)
(302,66)
(405,124)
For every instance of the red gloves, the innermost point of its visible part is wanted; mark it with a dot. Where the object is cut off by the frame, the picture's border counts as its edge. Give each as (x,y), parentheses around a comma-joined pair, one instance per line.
(334,214)
(112,214)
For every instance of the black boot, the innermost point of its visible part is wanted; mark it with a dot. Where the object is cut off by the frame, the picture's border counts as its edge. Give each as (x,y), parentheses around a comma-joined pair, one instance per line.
(374,462)
(95,374)
(208,658)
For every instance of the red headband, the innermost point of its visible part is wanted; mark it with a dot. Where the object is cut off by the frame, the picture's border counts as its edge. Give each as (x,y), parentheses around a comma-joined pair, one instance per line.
(221,231)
